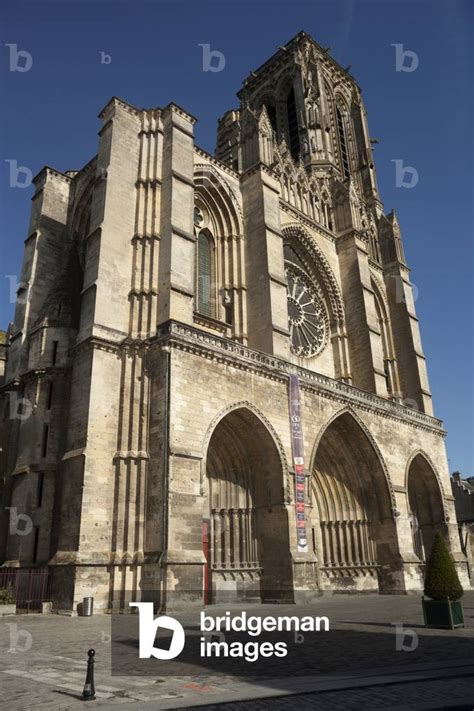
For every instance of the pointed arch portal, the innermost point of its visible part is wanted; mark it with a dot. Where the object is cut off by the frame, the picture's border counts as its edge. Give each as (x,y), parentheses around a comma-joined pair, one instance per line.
(425,505)
(354,530)
(248,531)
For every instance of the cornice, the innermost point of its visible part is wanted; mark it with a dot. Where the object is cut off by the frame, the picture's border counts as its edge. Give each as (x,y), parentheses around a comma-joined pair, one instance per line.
(96,342)
(92,164)
(32,375)
(40,179)
(33,234)
(375,266)
(212,323)
(109,109)
(259,75)
(47,372)
(175,109)
(222,350)
(215,161)
(262,168)
(11,386)
(397,266)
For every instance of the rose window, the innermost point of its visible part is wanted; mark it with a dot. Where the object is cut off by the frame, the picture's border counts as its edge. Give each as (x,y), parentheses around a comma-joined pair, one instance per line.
(307,316)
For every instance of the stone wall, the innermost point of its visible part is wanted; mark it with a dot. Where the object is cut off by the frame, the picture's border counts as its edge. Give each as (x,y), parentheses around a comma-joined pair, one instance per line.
(127,381)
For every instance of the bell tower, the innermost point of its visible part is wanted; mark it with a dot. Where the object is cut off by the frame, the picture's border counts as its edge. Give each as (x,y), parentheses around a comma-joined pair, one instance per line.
(315,109)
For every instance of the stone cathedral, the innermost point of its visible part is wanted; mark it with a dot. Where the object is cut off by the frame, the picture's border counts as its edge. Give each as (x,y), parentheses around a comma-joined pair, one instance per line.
(166,297)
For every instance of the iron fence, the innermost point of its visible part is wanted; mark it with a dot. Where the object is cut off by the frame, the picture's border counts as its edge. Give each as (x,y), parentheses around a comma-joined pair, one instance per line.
(27,588)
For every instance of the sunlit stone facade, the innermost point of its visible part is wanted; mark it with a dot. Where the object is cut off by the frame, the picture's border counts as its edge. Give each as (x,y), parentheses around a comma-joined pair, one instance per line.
(165,298)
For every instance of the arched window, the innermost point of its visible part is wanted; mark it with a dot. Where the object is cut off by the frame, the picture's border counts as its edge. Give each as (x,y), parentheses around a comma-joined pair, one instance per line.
(205,249)
(374,249)
(272,115)
(326,212)
(293,134)
(341,132)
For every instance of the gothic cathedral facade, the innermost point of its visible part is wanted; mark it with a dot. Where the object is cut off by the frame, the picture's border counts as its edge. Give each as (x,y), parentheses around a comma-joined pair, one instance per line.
(167,296)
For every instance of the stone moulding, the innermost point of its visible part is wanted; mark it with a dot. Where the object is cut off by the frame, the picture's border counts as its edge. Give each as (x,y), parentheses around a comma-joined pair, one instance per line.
(306,220)
(99,558)
(209,322)
(222,350)
(296,233)
(350,411)
(215,161)
(187,338)
(132,454)
(429,461)
(200,169)
(247,405)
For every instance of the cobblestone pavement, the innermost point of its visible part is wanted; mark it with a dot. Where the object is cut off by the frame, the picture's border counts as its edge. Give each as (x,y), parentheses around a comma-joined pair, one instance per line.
(355,665)
(390,698)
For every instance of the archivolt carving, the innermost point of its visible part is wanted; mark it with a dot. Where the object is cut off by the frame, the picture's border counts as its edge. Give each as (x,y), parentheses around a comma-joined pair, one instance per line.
(83,197)
(215,190)
(245,405)
(430,463)
(363,426)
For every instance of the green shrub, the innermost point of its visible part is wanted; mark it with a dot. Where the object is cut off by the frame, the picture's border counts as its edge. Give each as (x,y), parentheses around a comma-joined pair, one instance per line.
(7,596)
(441,578)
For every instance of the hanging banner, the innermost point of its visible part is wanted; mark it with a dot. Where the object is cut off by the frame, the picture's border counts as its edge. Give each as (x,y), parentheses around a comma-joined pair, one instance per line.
(297,447)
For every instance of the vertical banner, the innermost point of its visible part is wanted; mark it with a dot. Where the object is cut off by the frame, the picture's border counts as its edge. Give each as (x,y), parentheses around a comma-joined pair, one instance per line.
(297,448)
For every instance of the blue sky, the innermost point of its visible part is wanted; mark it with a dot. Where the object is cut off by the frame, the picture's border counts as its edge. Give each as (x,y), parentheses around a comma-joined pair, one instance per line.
(423,117)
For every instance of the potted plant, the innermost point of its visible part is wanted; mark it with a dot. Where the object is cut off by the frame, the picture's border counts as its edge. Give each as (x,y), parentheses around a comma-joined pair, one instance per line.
(7,601)
(442,586)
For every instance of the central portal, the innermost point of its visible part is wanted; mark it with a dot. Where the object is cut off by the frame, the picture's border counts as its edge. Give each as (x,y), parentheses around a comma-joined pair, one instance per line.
(248,522)
(354,527)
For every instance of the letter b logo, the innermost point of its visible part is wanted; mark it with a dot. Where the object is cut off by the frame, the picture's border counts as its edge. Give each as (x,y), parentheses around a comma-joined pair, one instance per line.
(208,55)
(148,628)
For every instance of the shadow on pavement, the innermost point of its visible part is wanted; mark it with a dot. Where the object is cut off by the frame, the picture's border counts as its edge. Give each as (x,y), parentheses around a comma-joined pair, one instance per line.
(339,651)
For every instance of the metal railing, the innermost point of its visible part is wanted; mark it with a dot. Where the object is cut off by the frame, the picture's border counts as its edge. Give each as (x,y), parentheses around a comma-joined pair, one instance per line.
(27,588)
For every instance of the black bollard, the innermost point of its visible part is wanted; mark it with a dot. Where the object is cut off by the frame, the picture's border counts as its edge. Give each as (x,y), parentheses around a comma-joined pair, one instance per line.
(88,693)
